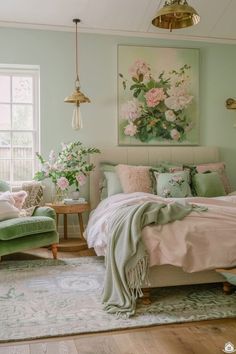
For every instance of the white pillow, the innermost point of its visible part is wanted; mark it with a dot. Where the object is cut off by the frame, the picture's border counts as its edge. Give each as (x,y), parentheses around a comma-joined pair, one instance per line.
(7,210)
(15,198)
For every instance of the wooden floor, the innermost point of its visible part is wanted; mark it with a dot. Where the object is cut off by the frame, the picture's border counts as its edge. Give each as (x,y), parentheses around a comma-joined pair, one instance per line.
(207,337)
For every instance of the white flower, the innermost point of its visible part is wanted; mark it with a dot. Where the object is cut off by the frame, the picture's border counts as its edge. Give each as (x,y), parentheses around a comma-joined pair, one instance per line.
(131,110)
(178,98)
(52,157)
(170,116)
(178,103)
(46,167)
(130,129)
(166,192)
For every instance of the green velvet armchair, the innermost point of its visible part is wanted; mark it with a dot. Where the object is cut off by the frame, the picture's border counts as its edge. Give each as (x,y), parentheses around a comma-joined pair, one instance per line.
(24,233)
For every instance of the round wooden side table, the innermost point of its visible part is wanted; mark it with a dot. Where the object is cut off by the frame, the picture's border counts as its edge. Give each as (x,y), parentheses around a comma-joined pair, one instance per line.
(71,244)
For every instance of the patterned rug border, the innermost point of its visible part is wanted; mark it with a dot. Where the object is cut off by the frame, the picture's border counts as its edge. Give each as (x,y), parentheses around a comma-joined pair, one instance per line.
(69,283)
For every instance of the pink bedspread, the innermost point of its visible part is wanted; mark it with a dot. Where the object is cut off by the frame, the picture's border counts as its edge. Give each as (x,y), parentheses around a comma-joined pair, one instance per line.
(201,241)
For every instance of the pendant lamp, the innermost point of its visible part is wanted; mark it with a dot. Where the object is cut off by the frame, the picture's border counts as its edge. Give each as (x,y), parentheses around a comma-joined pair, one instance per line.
(176,14)
(77,97)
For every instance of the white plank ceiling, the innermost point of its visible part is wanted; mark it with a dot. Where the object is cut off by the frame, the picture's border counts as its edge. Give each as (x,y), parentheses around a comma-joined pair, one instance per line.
(124,17)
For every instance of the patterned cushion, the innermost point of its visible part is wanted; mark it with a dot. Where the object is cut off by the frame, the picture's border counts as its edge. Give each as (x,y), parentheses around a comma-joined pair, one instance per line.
(163,167)
(35,194)
(173,185)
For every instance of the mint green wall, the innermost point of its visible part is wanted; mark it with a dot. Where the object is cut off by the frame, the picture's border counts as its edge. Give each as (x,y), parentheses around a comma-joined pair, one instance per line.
(54,52)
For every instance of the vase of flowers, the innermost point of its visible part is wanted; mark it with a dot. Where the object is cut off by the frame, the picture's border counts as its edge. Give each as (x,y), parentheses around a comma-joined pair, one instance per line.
(69,168)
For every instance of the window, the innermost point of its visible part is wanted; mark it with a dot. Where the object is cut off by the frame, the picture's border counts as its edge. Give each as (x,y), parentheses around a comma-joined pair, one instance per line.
(19,122)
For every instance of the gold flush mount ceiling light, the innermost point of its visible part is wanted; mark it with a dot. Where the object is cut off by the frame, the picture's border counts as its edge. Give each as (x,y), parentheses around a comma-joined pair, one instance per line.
(77,97)
(176,14)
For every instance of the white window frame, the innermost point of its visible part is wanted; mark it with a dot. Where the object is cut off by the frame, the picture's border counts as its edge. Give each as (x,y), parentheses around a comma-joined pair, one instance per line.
(34,72)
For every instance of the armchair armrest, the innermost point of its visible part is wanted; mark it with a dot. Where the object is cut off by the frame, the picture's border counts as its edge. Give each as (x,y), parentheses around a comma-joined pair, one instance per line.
(45,211)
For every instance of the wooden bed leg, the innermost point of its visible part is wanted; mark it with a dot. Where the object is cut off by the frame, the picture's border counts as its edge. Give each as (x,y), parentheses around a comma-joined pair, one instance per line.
(228,288)
(146,299)
(54,251)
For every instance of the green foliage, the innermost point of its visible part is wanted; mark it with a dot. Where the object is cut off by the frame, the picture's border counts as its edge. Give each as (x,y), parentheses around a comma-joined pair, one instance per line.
(71,163)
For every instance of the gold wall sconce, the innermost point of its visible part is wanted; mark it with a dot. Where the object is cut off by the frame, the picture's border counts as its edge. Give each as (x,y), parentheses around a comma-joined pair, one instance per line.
(230,103)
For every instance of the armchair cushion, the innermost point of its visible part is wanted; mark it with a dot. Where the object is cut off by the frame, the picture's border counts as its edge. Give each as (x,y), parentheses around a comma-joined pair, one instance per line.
(45,211)
(20,227)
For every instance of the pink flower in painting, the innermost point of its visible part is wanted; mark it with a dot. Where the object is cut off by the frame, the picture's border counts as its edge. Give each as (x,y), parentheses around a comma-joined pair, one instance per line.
(130,129)
(81,179)
(140,68)
(154,96)
(131,110)
(175,135)
(63,183)
(177,179)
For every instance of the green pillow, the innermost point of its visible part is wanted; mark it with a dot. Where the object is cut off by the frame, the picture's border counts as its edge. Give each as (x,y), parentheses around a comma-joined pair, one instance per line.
(208,185)
(4,186)
(111,183)
(173,185)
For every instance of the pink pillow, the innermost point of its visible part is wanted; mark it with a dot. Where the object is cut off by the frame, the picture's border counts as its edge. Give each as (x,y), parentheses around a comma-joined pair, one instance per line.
(134,178)
(19,198)
(218,167)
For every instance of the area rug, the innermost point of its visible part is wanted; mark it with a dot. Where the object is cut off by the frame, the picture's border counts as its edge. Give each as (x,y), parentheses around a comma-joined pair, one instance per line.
(45,298)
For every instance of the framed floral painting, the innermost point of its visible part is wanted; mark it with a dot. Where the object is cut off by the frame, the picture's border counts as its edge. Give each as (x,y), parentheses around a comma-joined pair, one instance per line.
(158,96)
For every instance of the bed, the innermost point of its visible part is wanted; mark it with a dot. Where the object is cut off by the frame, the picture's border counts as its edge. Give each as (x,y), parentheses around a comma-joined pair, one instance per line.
(161,275)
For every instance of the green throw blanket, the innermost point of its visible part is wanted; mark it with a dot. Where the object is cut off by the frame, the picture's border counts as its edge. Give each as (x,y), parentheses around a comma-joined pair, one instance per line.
(127,258)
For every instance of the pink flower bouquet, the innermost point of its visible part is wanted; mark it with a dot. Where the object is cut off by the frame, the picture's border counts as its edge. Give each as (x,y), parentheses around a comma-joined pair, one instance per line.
(158,109)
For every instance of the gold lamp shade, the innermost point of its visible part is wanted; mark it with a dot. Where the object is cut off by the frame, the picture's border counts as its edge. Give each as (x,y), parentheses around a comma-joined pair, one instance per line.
(77,97)
(176,14)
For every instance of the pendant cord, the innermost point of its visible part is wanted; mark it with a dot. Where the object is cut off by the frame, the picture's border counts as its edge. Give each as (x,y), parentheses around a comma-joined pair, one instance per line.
(76,54)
